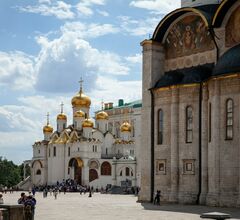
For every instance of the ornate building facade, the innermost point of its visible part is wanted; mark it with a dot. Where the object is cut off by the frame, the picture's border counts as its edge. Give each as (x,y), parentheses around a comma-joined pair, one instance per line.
(91,155)
(190,146)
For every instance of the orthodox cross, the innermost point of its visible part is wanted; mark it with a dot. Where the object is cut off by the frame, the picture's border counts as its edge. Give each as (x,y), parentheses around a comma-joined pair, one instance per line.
(102,103)
(47,118)
(62,107)
(81,82)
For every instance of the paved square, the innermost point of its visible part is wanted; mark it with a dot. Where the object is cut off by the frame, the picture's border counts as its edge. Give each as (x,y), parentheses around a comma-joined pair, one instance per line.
(72,206)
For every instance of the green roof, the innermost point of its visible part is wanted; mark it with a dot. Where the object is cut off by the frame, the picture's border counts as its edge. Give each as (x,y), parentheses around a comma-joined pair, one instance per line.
(134,104)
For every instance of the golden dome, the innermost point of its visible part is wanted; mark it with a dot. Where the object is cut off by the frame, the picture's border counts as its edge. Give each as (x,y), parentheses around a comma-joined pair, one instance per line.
(47,129)
(102,115)
(87,123)
(81,100)
(61,116)
(126,127)
(79,114)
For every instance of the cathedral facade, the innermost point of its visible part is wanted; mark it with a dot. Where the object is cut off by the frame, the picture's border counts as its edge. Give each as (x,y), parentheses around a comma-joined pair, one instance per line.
(92,154)
(190,146)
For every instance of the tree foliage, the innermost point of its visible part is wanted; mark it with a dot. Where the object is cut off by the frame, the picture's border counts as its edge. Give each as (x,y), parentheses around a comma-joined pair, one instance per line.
(10,173)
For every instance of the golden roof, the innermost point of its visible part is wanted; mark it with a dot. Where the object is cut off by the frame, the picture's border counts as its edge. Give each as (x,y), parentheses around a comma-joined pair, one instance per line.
(61,116)
(126,127)
(79,114)
(102,115)
(47,129)
(87,123)
(81,100)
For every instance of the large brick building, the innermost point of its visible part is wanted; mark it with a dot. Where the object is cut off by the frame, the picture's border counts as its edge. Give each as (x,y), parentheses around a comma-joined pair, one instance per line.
(191,104)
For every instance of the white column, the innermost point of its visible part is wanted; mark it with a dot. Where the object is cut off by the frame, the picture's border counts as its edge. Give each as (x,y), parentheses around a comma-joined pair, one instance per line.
(153,69)
(174,146)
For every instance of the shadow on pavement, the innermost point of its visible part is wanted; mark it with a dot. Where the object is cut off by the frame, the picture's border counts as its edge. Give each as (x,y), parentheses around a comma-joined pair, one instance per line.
(192,209)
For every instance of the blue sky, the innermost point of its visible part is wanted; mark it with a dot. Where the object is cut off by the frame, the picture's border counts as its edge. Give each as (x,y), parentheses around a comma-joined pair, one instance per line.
(47,45)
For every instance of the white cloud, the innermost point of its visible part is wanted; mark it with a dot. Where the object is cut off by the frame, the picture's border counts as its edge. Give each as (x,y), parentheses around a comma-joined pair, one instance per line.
(69,57)
(92,30)
(110,90)
(59,9)
(159,6)
(84,6)
(140,27)
(136,59)
(103,13)
(17,70)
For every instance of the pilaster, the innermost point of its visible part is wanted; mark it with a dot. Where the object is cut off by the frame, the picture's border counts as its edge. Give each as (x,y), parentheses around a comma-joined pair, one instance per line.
(205,132)
(153,68)
(214,151)
(174,146)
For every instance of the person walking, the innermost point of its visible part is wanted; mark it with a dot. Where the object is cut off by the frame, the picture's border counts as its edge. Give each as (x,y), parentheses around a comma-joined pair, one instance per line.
(55,192)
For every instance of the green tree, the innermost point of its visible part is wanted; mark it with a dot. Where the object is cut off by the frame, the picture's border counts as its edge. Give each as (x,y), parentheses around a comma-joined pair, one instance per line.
(9,173)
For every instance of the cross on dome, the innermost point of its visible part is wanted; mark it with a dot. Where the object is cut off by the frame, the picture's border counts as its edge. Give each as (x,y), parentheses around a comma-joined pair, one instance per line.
(62,107)
(47,118)
(81,83)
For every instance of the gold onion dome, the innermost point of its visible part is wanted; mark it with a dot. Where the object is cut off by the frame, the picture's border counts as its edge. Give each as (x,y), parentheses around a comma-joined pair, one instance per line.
(61,116)
(47,129)
(87,123)
(81,100)
(126,127)
(79,114)
(102,115)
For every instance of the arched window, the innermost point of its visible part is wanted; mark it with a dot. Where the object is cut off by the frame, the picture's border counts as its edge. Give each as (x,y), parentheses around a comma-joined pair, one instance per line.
(160,126)
(38,172)
(106,169)
(121,173)
(229,119)
(189,124)
(127,171)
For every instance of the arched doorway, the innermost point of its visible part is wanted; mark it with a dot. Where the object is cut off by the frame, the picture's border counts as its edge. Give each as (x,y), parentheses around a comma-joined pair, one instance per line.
(76,165)
(92,175)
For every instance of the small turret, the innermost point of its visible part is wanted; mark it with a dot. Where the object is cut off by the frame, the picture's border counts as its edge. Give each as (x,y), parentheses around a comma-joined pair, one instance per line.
(87,127)
(61,120)
(47,129)
(126,129)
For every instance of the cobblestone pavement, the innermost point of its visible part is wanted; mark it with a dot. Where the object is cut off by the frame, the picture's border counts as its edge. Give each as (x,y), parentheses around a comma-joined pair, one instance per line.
(74,206)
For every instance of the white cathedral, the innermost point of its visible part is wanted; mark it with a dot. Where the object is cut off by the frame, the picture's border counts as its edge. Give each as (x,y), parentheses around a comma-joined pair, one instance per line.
(91,155)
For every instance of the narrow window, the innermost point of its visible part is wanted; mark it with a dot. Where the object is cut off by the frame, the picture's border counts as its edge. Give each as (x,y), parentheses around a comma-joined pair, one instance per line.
(106,151)
(54,151)
(160,126)
(210,123)
(133,130)
(69,151)
(189,124)
(229,119)
(93,148)
(127,171)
